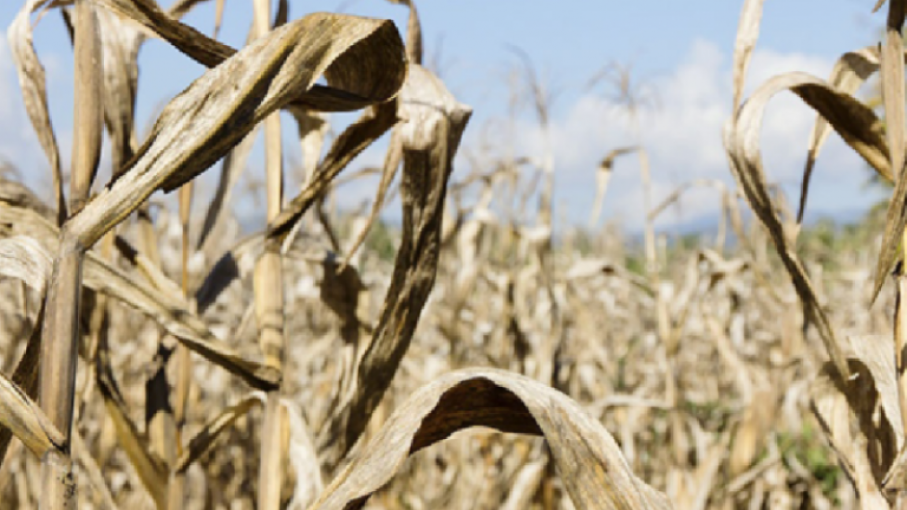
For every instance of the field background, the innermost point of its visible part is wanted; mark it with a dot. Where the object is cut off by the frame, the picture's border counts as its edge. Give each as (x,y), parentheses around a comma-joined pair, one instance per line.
(567,264)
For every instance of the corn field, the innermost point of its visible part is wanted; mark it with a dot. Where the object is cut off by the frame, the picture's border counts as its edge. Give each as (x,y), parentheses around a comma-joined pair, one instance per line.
(472,357)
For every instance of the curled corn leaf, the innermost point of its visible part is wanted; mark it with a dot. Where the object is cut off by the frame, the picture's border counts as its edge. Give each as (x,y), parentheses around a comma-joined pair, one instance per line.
(25,259)
(856,124)
(430,136)
(32,81)
(747,35)
(373,123)
(162,301)
(893,99)
(152,470)
(847,75)
(594,473)
(202,441)
(860,415)
(22,415)
(362,56)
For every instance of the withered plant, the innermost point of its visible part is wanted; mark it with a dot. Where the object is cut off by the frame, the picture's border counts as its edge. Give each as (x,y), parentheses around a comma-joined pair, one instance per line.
(116,304)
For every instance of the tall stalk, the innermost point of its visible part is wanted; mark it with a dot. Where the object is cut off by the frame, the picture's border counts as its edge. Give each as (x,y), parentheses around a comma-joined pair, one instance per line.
(60,335)
(59,353)
(893,98)
(632,99)
(268,284)
(176,485)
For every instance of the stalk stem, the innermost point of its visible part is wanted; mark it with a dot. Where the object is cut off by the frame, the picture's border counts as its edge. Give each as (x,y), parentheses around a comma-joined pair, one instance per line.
(269,304)
(59,353)
(900,339)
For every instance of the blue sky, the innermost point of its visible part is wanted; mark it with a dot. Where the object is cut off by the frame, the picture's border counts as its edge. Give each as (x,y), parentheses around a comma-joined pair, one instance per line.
(679,50)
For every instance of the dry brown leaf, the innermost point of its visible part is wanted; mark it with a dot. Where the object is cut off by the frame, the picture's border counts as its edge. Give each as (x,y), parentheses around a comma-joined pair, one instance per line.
(388,172)
(180,8)
(33,83)
(24,418)
(144,266)
(893,99)
(227,269)
(847,75)
(25,376)
(312,128)
(856,124)
(896,478)
(25,259)
(152,470)
(160,302)
(218,17)
(413,32)
(588,459)
(747,35)
(339,290)
(282,15)
(202,441)
(833,407)
(210,117)
(345,91)
(160,422)
(356,138)
(602,178)
(861,416)
(302,457)
(231,168)
(175,316)
(430,135)
(120,42)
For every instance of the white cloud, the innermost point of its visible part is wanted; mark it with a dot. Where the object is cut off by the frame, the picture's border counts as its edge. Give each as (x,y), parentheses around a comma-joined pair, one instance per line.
(683,138)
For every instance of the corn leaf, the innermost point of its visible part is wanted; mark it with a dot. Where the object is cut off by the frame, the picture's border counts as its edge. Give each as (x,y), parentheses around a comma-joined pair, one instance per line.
(210,117)
(356,138)
(32,81)
(893,99)
(24,418)
(594,473)
(202,441)
(747,35)
(25,259)
(847,75)
(152,470)
(861,415)
(430,135)
(160,302)
(856,124)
